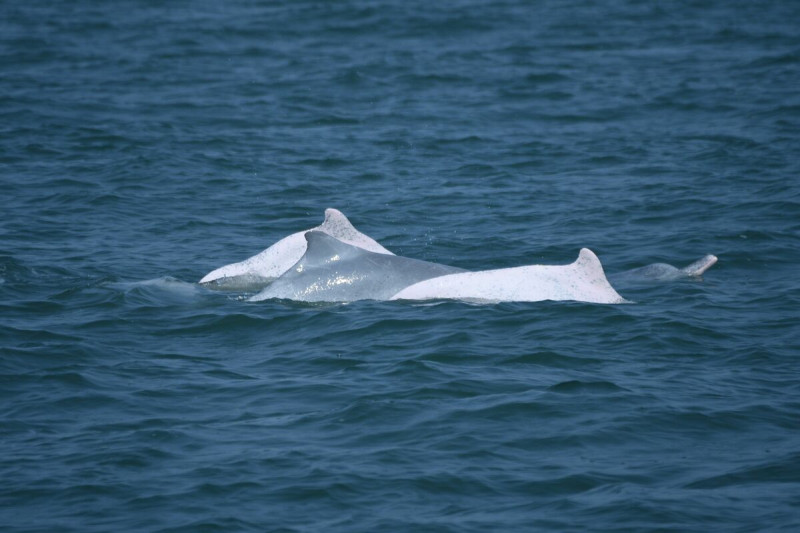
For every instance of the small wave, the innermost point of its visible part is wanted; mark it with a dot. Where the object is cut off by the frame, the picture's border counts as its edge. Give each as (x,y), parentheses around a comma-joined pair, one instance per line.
(158,291)
(779,471)
(585,387)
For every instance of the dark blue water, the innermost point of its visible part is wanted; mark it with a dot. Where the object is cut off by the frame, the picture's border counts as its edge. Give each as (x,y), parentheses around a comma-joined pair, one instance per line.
(143,144)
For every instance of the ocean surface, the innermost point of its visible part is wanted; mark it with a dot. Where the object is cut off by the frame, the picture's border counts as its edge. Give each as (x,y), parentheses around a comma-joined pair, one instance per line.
(145,143)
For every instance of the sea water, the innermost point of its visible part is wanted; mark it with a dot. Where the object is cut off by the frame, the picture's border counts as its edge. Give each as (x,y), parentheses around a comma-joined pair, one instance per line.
(143,144)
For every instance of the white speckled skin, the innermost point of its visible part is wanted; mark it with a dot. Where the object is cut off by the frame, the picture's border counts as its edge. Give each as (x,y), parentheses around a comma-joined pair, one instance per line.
(582,281)
(278,258)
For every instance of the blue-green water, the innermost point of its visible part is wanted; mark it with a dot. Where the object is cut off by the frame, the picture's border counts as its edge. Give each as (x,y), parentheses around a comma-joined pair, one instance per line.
(143,144)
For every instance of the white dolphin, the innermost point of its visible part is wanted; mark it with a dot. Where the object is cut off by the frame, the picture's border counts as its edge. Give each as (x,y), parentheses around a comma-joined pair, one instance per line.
(369,274)
(665,272)
(277,259)
(581,281)
(333,271)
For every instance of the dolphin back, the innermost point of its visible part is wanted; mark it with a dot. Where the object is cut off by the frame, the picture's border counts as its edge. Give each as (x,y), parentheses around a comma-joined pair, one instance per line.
(583,280)
(334,271)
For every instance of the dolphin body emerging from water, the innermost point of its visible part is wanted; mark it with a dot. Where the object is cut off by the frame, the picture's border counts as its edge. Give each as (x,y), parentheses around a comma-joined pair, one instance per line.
(581,281)
(334,262)
(334,271)
(665,272)
(273,262)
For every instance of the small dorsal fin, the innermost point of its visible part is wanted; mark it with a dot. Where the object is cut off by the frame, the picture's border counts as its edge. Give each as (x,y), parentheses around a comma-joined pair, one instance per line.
(590,264)
(337,224)
(321,248)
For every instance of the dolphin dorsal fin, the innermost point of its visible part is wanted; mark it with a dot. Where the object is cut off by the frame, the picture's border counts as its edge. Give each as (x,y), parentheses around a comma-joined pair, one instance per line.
(590,265)
(321,248)
(337,224)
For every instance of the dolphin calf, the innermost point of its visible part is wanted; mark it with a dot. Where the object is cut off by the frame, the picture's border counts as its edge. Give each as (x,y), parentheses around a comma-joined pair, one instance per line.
(270,264)
(665,272)
(335,271)
(582,281)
